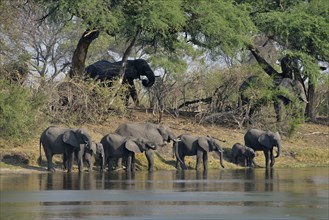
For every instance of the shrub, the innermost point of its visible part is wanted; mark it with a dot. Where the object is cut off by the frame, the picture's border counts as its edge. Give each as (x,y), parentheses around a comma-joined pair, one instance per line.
(77,101)
(19,111)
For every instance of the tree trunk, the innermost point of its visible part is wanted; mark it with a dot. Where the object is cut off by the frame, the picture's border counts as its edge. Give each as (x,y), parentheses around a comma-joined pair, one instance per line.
(262,62)
(310,108)
(80,53)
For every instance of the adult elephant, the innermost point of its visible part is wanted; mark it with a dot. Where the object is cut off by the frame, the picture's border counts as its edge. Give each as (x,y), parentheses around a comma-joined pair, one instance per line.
(241,151)
(90,154)
(199,146)
(260,140)
(57,140)
(117,146)
(288,91)
(159,134)
(105,70)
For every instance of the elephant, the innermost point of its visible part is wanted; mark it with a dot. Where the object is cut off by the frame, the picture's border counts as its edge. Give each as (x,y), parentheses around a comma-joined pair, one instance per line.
(247,153)
(199,146)
(117,146)
(92,153)
(105,70)
(58,140)
(288,91)
(160,134)
(260,140)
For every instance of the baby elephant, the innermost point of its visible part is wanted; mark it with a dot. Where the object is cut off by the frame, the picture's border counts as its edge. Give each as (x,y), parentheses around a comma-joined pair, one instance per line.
(248,154)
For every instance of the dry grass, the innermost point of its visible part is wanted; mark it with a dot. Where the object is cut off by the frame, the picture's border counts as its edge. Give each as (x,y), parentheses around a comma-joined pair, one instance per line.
(308,148)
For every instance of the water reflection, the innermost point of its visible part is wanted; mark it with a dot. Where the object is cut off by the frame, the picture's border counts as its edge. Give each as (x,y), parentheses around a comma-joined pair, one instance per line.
(251,193)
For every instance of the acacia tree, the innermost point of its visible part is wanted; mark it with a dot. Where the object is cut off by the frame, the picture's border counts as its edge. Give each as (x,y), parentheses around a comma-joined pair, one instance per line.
(218,26)
(300,30)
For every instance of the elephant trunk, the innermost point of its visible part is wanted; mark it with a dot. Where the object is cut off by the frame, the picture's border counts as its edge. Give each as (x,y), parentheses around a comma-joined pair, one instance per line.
(220,152)
(172,137)
(150,79)
(102,159)
(278,153)
(221,159)
(152,146)
(175,146)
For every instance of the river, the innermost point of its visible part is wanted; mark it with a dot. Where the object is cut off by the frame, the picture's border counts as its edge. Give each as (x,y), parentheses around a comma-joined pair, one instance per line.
(298,193)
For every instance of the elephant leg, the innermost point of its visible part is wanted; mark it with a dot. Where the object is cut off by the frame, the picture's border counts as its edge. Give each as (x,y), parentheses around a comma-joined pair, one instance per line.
(129,161)
(150,160)
(119,163)
(272,158)
(64,161)
(279,110)
(79,155)
(205,161)
(198,159)
(235,160)
(133,163)
(267,158)
(133,92)
(70,157)
(50,167)
(244,160)
(110,164)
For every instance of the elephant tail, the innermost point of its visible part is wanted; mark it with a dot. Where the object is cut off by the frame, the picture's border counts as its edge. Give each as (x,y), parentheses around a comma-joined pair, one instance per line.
(40,158)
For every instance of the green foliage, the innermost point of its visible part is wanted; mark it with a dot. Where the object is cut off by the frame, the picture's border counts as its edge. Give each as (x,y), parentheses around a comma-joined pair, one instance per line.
(219,26)
(297,30)
(19,109)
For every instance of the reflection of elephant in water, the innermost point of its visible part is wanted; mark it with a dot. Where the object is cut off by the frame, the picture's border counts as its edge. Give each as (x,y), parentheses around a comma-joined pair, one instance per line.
(260,140)
(117,146)
(199,146)
(247,153)
(92,153)
(56,140)
(289,90)
(105,70)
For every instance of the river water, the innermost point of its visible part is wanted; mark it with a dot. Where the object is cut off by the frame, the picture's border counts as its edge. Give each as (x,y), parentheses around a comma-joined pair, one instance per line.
(219,194)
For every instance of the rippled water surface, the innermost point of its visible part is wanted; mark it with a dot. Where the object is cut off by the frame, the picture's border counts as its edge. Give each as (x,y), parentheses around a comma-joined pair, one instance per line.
(218,194)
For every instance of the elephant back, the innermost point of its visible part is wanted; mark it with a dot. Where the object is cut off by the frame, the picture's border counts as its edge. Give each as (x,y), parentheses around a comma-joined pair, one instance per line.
(140,130)
(103,70)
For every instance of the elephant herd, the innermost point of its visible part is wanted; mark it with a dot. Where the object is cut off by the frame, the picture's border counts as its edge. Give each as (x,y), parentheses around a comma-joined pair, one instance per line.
(138,137)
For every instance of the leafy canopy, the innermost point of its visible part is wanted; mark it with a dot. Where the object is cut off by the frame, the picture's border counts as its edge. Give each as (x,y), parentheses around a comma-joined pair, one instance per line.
(220,26)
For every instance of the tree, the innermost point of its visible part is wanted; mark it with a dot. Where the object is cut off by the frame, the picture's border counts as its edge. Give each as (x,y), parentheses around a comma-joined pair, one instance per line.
(43,47)
(301,31)
(218,26)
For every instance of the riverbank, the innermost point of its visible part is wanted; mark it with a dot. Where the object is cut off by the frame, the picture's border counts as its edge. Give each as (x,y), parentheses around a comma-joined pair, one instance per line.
(309,147)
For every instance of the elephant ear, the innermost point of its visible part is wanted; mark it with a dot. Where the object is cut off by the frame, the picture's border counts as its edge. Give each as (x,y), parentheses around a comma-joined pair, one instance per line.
(203,143)
(132,146)
(291,89)
(70,138)
(265,140)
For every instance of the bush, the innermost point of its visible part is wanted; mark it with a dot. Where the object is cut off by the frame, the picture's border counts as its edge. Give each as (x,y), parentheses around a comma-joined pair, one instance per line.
(78,101)
(19,110)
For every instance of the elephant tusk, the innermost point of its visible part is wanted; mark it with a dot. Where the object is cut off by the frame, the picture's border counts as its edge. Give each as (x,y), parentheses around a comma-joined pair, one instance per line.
(177,140)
